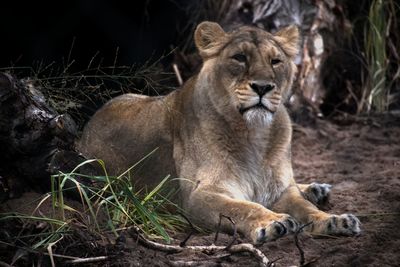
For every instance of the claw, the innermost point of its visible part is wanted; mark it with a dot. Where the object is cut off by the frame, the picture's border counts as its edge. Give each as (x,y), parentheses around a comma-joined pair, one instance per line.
(318,193)
(276,229)
(280,228)
(345,224)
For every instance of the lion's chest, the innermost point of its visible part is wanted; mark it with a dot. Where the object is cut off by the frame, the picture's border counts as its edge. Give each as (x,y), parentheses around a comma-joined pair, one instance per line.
(256,180)
(260,186)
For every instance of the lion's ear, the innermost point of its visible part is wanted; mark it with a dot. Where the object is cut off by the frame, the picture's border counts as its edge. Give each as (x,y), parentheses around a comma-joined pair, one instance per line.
(208,37)
(288,38)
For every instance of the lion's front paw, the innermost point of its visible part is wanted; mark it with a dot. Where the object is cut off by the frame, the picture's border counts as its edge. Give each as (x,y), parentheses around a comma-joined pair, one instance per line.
(318,194)
(345,224)
(275,229)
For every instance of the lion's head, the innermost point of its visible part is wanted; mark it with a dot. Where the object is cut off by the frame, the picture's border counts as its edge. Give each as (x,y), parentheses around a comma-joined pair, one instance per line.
(249,70)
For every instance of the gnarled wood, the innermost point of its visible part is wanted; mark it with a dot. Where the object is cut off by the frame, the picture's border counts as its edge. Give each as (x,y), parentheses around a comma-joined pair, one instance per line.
(35,140)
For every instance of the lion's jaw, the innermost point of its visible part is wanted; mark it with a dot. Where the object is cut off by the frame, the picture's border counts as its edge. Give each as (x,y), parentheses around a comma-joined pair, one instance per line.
(258,116)
(260,111)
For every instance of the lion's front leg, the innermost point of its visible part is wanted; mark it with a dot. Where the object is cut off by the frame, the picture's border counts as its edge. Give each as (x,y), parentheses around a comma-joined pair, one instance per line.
(293,203)
(251,219)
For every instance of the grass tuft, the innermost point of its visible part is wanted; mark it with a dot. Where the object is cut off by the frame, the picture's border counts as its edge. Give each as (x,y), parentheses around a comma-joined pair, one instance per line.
(379,81)
(119,200)
(108,205)
(81,93)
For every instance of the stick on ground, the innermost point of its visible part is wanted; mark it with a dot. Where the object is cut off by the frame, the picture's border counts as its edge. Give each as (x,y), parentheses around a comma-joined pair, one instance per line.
(239,248)
(296,241)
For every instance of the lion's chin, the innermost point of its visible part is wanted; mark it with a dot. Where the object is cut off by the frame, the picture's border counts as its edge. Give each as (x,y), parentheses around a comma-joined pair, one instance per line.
(258,116)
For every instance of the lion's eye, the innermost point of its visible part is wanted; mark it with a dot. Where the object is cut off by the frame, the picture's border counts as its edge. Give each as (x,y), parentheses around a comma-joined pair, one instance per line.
(275,61)
(240,58)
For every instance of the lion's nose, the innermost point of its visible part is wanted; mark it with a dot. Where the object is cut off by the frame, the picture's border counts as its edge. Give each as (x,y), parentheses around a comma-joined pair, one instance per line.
(262,87)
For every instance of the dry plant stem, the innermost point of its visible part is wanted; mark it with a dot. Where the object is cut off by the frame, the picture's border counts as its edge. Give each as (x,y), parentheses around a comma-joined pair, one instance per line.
(88,260)
(210,261)
(73,260)
(296,241)
(181,263)
(219,226)
(178,74)
(37,252)
(245,247)
(183,243)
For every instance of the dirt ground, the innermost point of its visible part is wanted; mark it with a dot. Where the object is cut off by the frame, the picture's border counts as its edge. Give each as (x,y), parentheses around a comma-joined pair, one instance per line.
(360,157)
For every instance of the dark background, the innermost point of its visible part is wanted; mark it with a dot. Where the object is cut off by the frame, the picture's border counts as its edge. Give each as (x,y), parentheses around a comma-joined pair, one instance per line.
(45,31)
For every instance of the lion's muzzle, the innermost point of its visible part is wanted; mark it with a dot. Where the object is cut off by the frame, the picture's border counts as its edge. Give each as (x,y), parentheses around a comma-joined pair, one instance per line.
(262,87)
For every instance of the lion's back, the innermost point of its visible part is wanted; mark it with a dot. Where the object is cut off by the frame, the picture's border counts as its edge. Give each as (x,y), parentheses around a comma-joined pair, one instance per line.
(126,130)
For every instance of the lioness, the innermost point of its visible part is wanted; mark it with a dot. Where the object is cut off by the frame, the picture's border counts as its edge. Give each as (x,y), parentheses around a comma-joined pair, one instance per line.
(226,133)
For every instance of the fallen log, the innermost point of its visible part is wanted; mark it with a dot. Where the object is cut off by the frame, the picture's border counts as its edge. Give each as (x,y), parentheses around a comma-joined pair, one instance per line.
(35,140)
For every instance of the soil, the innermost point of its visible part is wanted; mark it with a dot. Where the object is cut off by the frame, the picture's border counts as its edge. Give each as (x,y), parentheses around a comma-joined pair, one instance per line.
(360,157)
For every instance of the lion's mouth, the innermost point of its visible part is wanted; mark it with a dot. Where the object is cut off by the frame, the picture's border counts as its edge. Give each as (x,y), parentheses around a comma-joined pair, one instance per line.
(257,106)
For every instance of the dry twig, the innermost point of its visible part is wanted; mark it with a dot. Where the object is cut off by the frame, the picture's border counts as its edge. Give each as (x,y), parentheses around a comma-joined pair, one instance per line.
(87,260)
(178,74)
(219,226)
(183,243)
(209,261)
(211,249)
(296,241)
(181,263)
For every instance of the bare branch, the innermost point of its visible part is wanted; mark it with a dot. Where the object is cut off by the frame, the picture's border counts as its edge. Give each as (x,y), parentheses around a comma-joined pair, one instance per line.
(88,260)
(211,249)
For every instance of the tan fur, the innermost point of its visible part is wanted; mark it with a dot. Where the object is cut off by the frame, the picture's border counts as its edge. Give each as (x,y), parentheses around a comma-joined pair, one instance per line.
(233,158)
